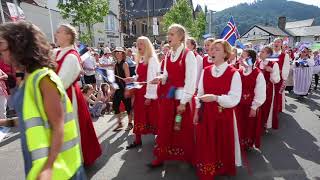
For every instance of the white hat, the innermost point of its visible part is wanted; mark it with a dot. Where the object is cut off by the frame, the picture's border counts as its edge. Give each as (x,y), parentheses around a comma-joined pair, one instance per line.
(107,50)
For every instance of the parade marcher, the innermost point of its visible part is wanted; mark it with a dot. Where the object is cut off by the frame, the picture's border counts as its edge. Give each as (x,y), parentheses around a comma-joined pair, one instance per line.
(207,59)
(302,73)
(234,59)
(175,140)
(165,50)
(217,142)
(284,67)
(121,72)
(271,72)
(69,70)
(49,137)
(192,46)
(131,62)
(316,70)
(253,96)
(146,105)
(207,44)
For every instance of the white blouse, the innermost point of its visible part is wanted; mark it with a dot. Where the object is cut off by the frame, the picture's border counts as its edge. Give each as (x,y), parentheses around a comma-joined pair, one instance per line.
(70,68)
(275,75)
(152,72)
(190,74)
(200,68)
(232,98)
(286,66)
(259,90)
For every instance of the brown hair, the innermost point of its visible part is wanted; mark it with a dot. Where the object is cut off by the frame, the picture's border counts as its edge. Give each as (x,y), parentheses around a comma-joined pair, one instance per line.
(211,40)
(86,88)
(28,46)
(269,50)
(226,47)
(193,42)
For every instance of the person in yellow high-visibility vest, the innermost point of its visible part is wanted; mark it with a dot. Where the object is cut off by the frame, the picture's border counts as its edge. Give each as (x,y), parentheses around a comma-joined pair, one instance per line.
(49,136)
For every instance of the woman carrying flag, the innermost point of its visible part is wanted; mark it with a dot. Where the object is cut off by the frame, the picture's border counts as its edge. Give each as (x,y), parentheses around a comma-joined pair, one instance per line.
(146,105)
(217,140)
(175,140)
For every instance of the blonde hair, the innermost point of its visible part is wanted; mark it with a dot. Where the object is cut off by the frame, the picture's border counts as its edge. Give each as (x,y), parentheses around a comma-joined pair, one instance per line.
(226,47)
(211,40)
(181,31)
(70,30)
(148,52)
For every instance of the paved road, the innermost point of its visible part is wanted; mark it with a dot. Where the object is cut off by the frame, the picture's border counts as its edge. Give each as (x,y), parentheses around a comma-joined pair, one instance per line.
(291,153)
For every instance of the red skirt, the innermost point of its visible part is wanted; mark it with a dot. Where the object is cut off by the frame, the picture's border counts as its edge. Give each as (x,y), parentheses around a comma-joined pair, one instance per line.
(278,96)
(171,144)
(250,128)
(145,117)
(90,146)
(266,107)
(215,143)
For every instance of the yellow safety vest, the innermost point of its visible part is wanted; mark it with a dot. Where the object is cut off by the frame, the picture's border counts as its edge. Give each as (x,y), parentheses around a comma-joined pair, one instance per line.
(38,131)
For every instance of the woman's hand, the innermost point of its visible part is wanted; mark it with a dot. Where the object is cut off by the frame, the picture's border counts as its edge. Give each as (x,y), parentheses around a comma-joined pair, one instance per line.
(208,98)
(147,102)
(181,108)
(268,68)
(253,113)
(45,174)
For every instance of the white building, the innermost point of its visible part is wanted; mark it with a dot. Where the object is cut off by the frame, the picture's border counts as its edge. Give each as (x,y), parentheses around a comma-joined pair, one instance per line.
(297,31)
(106,33)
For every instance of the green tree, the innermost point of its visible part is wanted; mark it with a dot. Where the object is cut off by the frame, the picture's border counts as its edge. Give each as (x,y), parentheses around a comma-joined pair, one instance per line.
(199,27)
(180,13)
(88,12)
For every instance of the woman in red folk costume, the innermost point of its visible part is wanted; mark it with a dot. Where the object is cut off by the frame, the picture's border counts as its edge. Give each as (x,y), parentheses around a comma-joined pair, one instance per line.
(217,140)
(175,140)
(270,69)
(284,68)
(207,60)
(233,60)
(253,96)
(146,105)
(192,46)
(69,69)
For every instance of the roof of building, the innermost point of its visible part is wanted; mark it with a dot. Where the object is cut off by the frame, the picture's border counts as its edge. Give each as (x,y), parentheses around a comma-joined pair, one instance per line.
(271,30)
(305,31)
(297,24)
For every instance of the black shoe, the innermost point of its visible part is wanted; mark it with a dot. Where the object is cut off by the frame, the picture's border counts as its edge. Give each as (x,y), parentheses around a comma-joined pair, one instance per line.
(154,166)
(134,145)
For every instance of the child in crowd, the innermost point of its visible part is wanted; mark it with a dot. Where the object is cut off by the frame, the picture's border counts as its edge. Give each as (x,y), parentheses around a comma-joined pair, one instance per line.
(96,106)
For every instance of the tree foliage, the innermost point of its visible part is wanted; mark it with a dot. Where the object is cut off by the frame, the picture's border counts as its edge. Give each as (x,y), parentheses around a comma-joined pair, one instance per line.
(180,13)
(88,12)
(199,27)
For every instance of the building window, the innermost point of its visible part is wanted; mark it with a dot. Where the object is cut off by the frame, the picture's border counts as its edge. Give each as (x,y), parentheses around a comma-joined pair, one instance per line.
(144,27)
(111,23)
(316,38)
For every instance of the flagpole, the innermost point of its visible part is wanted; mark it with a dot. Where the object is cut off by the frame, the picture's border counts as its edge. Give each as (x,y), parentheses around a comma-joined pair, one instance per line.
(51,25)
(2,14)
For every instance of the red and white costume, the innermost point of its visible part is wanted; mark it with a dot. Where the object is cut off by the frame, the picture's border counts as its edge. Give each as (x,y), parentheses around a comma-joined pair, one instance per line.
(253,96)
(284,67)
(269,109)
(146,117)
(69,69)
(206,62)
(217,140)
(179,68)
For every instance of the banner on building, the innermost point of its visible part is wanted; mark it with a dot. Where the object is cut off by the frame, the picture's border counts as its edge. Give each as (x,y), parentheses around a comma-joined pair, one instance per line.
(16,12)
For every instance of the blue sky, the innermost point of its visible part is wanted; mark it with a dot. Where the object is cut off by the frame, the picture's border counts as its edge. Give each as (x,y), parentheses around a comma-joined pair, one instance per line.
(218,5)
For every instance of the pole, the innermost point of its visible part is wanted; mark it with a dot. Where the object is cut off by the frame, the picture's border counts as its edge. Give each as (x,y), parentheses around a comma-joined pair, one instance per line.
(148,27)
(154,36)
(2,14)
(51,25)
(16,5)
